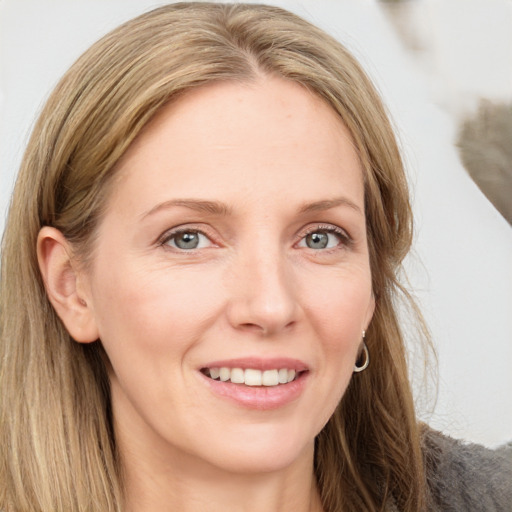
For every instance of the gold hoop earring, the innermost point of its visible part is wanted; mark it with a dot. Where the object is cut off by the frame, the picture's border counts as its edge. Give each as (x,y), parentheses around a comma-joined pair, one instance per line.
(366,362)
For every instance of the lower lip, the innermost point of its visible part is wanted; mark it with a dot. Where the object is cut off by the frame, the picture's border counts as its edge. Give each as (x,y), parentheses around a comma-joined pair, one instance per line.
(259,397)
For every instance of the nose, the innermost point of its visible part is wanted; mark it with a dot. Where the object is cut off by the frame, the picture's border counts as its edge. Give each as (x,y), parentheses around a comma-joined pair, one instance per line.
(262,294)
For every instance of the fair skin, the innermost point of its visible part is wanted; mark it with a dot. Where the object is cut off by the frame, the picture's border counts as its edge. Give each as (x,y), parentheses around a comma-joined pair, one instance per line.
(234,237)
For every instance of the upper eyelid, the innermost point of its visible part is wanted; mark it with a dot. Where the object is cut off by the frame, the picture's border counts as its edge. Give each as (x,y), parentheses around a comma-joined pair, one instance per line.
(346,242)
(172,232)
(322,226)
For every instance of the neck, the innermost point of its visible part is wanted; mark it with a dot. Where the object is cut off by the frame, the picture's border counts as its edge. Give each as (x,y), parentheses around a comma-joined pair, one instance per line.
(188,485)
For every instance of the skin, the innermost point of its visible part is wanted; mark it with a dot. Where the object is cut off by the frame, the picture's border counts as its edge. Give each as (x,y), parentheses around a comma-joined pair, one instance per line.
(254,287)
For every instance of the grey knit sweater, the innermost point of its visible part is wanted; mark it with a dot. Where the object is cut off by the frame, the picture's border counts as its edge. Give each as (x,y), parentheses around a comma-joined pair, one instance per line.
(467,477)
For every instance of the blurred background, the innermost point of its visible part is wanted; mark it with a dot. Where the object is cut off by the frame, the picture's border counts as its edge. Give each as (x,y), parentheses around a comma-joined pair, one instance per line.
(444,68)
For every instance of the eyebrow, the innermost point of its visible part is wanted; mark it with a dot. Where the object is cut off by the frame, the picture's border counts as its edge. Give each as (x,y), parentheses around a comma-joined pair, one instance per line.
(198,205)
(221,209)
(319,206)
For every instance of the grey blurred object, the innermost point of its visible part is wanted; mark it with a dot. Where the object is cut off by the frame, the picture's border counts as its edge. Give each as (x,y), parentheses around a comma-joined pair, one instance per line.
(405,16)
(485,146)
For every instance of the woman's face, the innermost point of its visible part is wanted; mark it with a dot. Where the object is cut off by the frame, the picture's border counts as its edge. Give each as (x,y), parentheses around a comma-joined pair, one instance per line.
(233,247)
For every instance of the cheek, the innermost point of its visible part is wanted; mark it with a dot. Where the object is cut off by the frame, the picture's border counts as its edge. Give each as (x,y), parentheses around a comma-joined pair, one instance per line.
(339,313)
(153,311)
(340,309)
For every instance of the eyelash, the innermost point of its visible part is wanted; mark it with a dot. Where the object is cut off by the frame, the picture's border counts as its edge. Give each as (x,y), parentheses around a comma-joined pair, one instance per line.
(345,239)
(174,233)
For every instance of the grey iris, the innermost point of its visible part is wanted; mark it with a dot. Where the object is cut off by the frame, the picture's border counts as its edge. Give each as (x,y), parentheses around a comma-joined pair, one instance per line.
(317,240)
(188,240)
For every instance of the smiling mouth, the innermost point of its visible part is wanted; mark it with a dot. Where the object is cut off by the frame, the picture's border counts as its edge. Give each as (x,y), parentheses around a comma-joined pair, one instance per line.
(253,377)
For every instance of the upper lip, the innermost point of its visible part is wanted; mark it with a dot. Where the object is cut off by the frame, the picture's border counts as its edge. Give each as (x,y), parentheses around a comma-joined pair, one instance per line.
(259,363)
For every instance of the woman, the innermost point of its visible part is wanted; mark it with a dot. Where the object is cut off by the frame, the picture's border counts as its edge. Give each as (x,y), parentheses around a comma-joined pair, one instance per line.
(205,235)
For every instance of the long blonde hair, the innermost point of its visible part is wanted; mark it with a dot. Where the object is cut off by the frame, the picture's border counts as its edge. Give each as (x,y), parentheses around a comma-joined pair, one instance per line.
(58,447)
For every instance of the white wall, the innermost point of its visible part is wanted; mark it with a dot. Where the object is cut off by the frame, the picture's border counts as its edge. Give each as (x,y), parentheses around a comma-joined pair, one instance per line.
(461,269)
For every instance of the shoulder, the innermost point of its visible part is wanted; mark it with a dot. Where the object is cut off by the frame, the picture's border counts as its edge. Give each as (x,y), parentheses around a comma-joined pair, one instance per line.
(467,477)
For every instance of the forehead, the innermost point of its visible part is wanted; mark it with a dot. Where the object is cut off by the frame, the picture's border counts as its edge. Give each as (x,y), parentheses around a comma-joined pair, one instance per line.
(242,137)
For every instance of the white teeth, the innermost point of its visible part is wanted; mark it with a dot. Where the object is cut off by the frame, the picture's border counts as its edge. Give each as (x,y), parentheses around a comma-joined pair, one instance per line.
(237,376)
(253,377)
(270,378)
(283,376)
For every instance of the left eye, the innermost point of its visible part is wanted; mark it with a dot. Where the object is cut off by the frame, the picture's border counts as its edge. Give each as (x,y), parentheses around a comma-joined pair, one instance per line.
(321,239)
(188,240)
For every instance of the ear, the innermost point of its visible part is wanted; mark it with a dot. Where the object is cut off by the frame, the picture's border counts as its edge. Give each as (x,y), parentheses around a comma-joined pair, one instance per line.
(62,282)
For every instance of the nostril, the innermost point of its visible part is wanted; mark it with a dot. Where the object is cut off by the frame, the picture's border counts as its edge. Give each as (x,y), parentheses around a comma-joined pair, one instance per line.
(250,327)
(265,328)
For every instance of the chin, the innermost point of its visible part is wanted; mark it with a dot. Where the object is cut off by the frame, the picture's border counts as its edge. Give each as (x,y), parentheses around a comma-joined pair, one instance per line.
(261,450)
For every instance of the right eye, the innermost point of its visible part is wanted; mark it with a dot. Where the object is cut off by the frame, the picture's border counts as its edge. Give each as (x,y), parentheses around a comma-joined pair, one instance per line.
(187,240)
